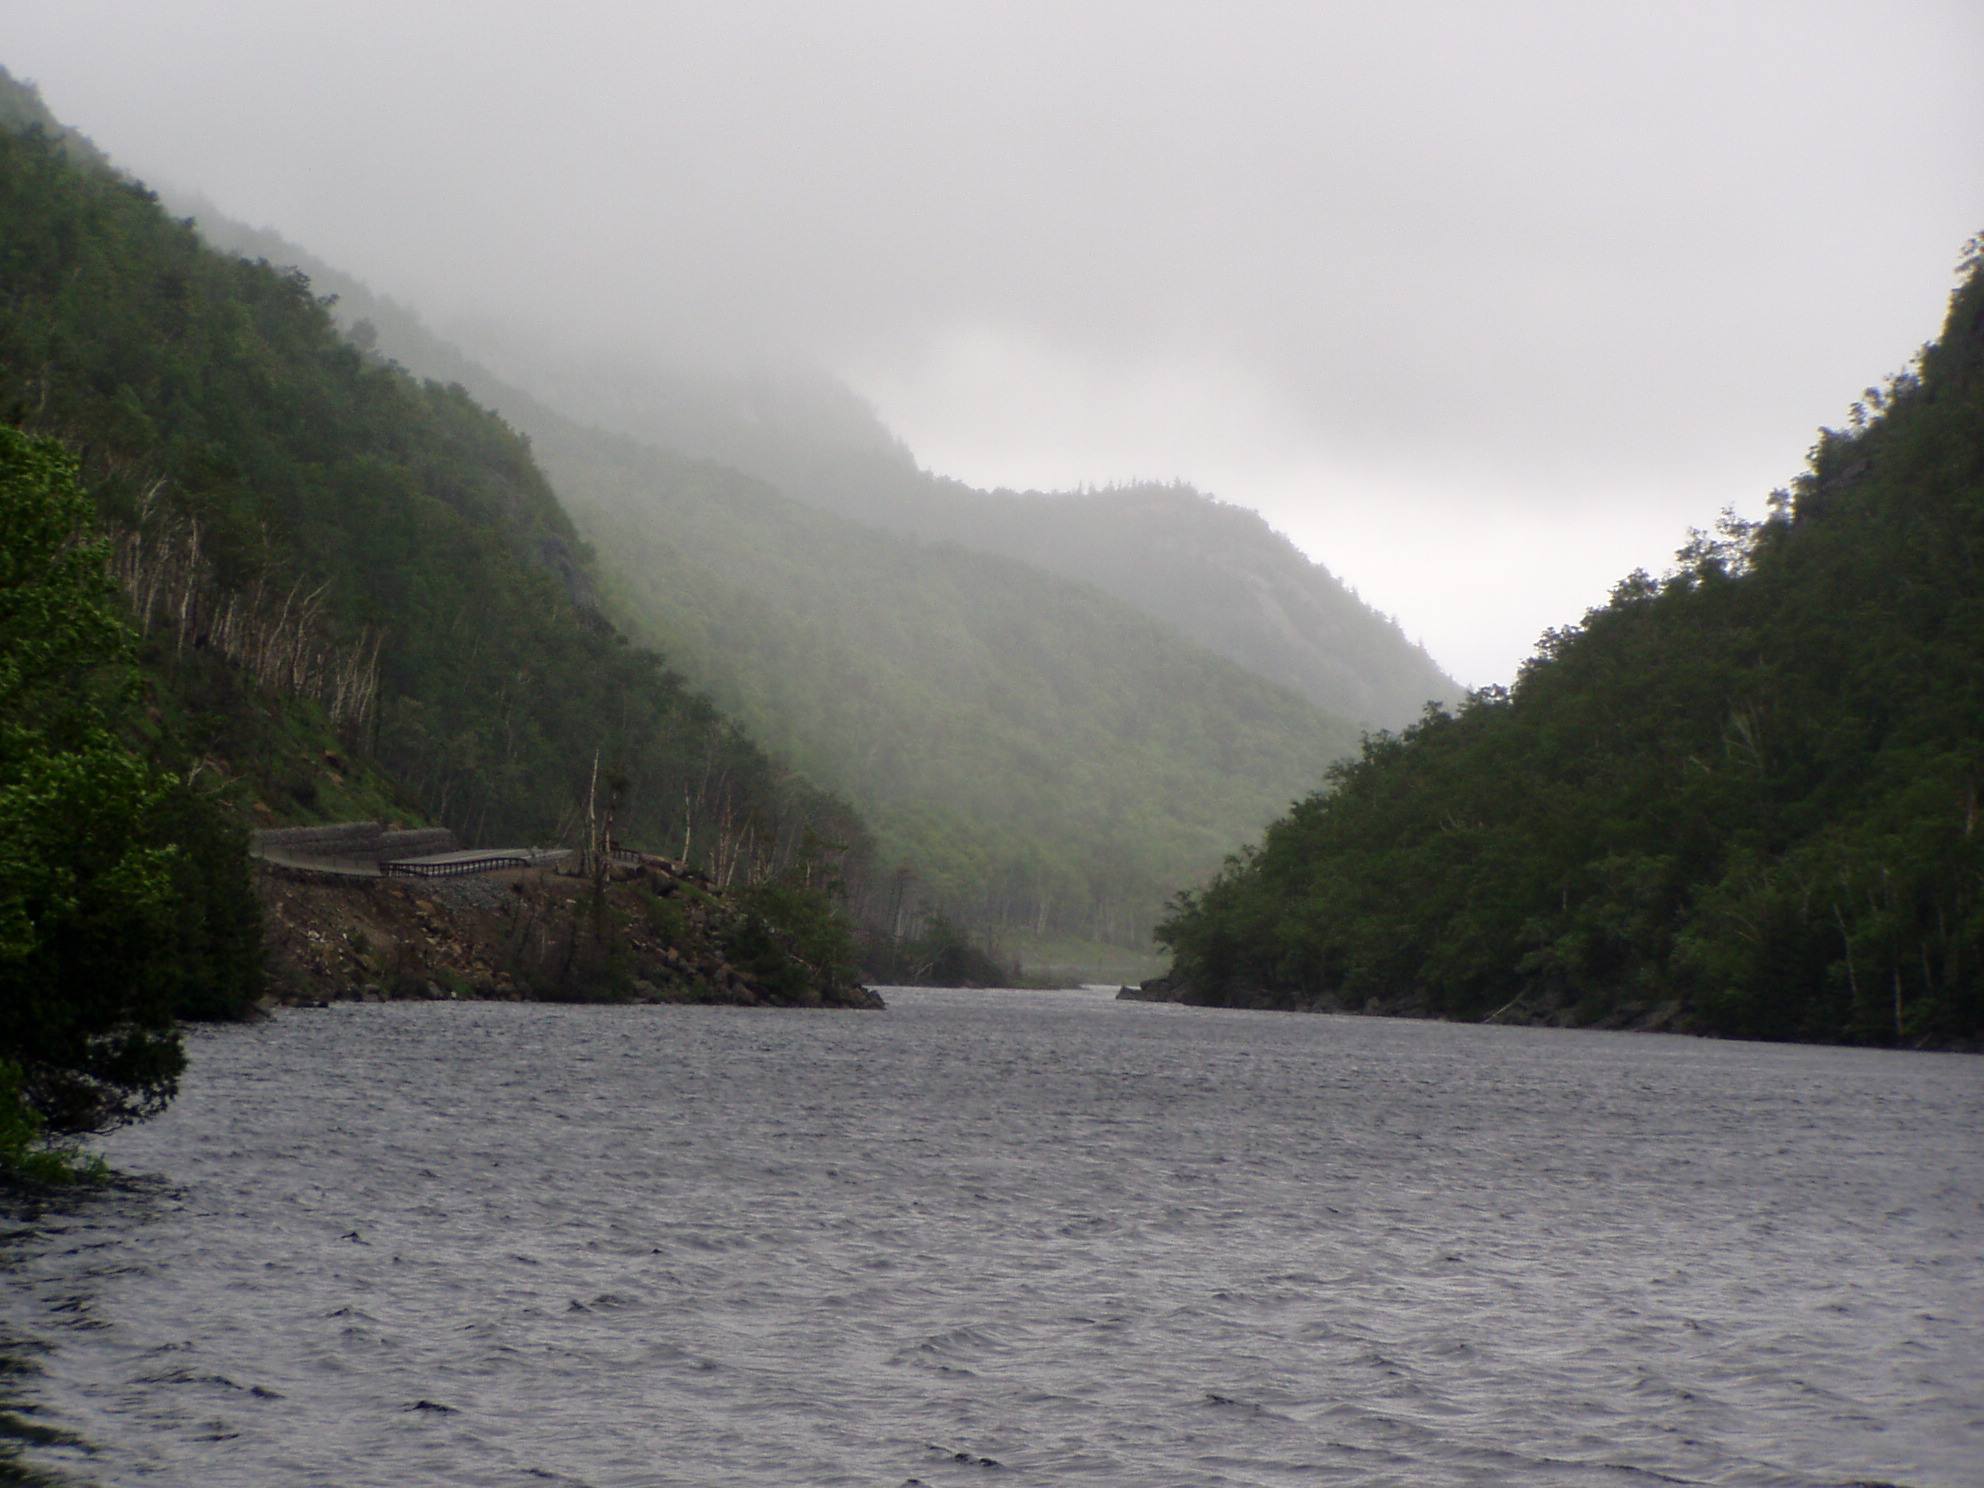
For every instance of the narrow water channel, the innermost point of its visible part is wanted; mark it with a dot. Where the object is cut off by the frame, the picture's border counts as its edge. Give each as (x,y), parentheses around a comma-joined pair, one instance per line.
(997,1237)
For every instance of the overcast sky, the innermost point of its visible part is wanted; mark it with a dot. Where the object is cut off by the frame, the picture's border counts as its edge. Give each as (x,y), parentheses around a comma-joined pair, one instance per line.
(1483,304)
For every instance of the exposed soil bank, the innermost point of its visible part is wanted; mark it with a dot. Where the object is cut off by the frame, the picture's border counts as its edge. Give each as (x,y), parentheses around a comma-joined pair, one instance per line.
(655,933)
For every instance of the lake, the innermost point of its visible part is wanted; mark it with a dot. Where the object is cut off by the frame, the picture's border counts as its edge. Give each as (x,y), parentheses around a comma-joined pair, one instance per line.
(1014,1238)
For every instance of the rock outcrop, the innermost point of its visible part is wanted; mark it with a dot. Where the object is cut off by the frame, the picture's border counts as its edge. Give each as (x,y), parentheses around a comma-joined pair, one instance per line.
(656,931)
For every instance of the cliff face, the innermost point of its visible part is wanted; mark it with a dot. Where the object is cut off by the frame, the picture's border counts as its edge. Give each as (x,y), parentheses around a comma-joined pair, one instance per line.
(656,932)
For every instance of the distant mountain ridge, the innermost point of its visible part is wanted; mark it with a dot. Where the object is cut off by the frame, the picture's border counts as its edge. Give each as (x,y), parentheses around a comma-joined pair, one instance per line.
(1215,571)
(1042,758)
(1051,759)
(1221,575)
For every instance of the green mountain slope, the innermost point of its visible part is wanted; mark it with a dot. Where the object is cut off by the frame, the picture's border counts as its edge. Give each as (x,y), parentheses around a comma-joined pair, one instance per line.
(1747,795)
(1049,759)
(310,535)
(1216,573)
(1041,758)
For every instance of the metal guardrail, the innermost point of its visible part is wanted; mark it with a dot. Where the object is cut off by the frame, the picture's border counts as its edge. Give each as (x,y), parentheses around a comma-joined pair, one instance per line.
(454,865)
(298,861)
(486,863)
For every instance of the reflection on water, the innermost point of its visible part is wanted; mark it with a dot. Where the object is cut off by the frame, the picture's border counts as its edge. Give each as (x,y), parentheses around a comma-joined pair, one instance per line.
(1044,1236)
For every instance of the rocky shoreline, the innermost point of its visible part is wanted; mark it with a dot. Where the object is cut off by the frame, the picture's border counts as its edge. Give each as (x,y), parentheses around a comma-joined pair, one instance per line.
(1524,1012)
(1531,1010)
(655,932)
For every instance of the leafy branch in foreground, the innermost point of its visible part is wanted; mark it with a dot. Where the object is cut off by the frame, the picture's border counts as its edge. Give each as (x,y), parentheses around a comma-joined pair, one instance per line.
(86,923)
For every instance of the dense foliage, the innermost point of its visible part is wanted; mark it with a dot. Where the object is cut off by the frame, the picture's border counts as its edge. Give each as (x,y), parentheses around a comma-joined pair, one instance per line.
(237,437)
(353,594)
(941,954)
(1043,757)
(115,911)
(791,936)
(1213,573)
(1747,794)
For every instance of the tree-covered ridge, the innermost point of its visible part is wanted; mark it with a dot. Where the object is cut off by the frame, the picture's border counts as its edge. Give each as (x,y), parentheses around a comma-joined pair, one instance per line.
(1039,756)
(1046,759)
(1218,573)
(216,396)
(1745,796)
(1215,573)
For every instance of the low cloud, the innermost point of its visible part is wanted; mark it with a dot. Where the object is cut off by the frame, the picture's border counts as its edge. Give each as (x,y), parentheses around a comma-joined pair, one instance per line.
(1477,303)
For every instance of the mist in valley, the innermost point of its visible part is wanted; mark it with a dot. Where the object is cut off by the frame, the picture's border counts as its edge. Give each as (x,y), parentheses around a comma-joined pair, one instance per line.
(719,510)
(1481,308)
(1060,435)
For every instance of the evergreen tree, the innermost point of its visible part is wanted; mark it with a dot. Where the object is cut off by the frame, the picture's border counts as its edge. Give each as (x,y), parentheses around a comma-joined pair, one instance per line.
(1744,798)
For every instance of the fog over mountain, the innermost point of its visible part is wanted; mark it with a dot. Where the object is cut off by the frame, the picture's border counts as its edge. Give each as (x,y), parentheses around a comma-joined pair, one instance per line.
(1483,306)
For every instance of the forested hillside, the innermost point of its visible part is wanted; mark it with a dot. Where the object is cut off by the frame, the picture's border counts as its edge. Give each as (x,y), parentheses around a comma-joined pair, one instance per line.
(1036,758)
(1743,798)
(1216,573)
(321,547)
(1219,574)
(248,575)
(124,900)
(1046,758)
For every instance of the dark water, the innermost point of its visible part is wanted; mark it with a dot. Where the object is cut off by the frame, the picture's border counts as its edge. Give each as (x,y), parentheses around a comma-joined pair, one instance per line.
(1089,1242)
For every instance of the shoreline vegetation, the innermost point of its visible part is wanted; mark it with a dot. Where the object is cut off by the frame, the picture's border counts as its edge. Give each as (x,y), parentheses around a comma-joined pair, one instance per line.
(249,576)
(1742,799)
(252,573)
(1527,1010)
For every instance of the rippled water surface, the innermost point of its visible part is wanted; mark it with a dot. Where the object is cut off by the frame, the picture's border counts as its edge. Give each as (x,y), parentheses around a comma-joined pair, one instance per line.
(1016,1238)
